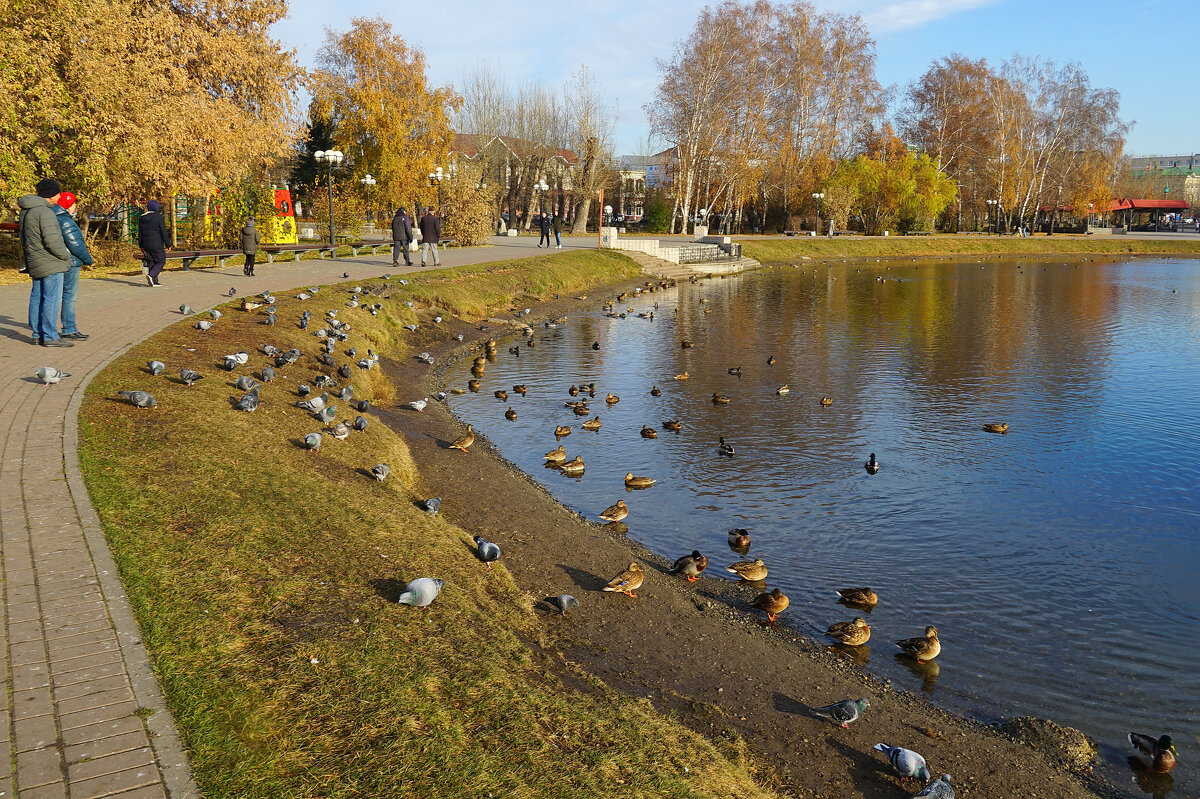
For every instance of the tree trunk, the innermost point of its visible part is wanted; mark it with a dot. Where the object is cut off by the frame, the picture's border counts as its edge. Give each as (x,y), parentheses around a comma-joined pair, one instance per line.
(591,158)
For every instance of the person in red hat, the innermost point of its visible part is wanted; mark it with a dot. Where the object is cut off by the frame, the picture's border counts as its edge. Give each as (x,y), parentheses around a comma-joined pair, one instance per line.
(64,211)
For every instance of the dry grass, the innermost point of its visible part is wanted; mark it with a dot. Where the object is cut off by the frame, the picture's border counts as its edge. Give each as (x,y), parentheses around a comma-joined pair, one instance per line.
(265,577)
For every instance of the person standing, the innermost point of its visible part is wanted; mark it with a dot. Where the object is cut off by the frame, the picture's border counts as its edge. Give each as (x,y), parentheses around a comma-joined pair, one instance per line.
(249,239)
(431,234)
(46,259)
(402,236)
(558,229)
(544,226)
(155,241)
(64,212)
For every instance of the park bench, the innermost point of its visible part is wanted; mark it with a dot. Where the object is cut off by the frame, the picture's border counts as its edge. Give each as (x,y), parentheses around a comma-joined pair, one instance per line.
(919,233)
(188,257)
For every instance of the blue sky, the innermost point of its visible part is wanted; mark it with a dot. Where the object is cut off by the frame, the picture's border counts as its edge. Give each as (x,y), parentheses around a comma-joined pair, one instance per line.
(619,41)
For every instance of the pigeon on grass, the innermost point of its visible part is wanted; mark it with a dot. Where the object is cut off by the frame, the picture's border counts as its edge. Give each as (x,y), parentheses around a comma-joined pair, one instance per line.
(139,399)
(421,592)
(189,377)
(486,550)
(380,471)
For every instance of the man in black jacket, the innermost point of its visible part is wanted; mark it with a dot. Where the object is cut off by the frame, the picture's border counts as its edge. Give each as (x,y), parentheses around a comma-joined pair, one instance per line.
(402,236)
(544,226)
(431,234)
(155,240)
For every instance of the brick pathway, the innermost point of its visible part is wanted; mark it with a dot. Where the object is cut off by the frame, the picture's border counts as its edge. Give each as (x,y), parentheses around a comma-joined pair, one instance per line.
(84,716)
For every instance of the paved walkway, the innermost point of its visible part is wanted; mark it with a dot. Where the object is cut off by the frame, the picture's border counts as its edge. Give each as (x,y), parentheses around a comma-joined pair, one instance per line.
(83,715)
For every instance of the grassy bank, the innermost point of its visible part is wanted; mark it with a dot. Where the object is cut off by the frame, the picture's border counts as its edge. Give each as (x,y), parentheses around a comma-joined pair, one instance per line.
(265,578)
(771,250)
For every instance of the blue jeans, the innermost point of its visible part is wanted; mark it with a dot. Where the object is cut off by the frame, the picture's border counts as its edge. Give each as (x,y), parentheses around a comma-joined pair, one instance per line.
(557,239)
(44,300)
(70,291)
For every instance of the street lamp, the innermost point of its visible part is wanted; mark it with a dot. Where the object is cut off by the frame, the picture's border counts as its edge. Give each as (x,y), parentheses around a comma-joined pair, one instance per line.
(543,187)
(818,196)
(435,179)
(330,158)
(369,181)
(994,207)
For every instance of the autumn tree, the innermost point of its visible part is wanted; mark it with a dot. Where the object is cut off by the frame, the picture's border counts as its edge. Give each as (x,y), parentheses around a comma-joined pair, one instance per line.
(589,132)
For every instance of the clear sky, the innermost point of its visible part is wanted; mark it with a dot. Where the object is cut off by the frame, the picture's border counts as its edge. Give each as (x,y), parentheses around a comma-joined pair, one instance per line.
(1139,47)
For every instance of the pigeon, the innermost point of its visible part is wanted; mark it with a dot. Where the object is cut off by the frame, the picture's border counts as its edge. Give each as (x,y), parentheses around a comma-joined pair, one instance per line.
(431,505)
(440,396)
(459,337)
(315,404)
(486,550)
(341,430)
(312,441)
(362,405)
(437,320)
(425,357)
(270,349)
(49,375)
(403,282)
(360,423)
(214,314)
(352,304)
(843,713)
(292,355)
(229,364)
(344,370)
(366,363)
(564,602)
(416,405)
(421,592)
(327,414)
(270,319)
(241,357)
(346,394)
(189,377)
(203,324)
(356,290)
(326,359)
(411,328)
(303,389)
(304,324)
(185,309)
(304,295)
(908,764)
(232,291)
(245,383)
(352,352)
(323,381)
(409,304)
(140,399)
(380,471)
(248,402)
(938,789)
(268,374)
(345,274)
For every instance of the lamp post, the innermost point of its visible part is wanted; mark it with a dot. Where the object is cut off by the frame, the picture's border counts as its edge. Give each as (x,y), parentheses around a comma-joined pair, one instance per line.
(994,207)
(543,187)
(330,158)
(435,179)
(369,181)
(818,196)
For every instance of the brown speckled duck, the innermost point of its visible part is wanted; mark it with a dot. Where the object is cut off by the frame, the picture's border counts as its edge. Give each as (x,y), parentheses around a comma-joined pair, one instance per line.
(627,581)
(634,481)
(923,649)
(751,571)
(859,596)
(850,633)
(615,513)
(772,603)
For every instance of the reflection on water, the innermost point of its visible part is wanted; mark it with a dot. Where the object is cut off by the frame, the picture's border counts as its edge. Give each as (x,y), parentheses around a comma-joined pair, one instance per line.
(1058,560)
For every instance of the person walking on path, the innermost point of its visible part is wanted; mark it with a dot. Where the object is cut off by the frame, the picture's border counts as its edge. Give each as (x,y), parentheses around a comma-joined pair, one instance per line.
(402,236)
(558,230)
(155,240)
(544,227)
(64,213)
(431,234)
(249,238)
(46,259)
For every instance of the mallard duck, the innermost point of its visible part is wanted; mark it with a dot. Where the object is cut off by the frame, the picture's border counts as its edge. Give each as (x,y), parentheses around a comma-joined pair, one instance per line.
(562,430)
(515,350)
(1156,754)
(573,391)
(521,389)
(736,371)
(612,399)
(690,566)
(922,649)
(582,409)
(686,344)
(457,390)
(478,371)
(859,596)
(479,361)
(784,389)
(591,424)
(872,465)
(673,424)
(655,392)
(627,581)
(615,513)
(826,402)
(464,441)
(770,360)
(996,428)
(725,449)
(649,432)
(772,603)
(556,455)
(739,538)
(510,414)
(574,404)
(473,385)
(491,344)
(632,481)
(682,376)
(573,466)
(500,395)
(719,399)
(750,571)
(850,633)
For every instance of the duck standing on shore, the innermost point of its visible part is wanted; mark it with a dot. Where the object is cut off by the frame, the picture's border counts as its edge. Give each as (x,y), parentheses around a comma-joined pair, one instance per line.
(627,581)
(772,603)
(690,566)
(615,513)
(464,441)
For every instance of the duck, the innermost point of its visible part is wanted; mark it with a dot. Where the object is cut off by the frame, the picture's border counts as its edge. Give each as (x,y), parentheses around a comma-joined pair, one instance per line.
(1155,754)
(515,350)
(719,399)
(573,391)
(473,385)
(850,633)
(510,414)
(632,481)
(690,566)
(996,428)
(772,603)
(556,455)
(591,424)
(562,430)
(457,390)
(656,391)
(859,596)
(723,448)
(615,513)
(612,399)
(500,394)
(627,581)
(826,402)
(736,371)
(739,538)
(682,376)
(922,649)
(582,409)
(872,465)
(649,432)
(575,404)
(770,360)
(784,389)
(750,571)
(479,361)
(491,344)
(464,441)
(686,344)
(573,466)
(673,424)
(521,389)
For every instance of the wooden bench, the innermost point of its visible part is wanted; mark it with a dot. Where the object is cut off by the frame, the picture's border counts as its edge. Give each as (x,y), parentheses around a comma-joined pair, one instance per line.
(188,257)
(919,233)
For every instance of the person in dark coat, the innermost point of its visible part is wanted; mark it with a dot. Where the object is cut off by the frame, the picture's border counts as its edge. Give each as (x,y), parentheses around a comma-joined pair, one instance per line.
(249,238)
(544,226)
(559,224)
(155,241)
(402,236)
(431,234)
(46,258)
(64,211)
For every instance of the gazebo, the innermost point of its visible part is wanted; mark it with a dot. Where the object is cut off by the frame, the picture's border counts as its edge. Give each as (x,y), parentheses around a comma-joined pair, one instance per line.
(1129,209)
